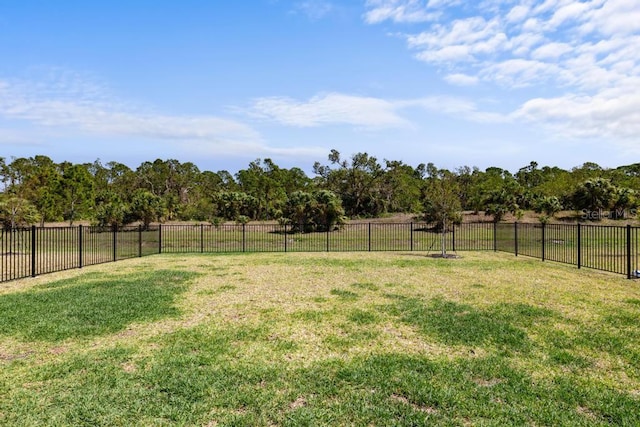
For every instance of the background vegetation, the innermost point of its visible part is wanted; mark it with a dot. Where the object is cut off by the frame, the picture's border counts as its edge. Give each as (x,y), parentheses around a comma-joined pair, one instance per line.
(39,190)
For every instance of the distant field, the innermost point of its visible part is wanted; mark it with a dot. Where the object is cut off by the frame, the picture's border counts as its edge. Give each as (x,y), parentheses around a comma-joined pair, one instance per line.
(321,339)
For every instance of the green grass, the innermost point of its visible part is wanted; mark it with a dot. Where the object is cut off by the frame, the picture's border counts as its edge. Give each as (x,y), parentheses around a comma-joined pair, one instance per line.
(321,339)
(90,305)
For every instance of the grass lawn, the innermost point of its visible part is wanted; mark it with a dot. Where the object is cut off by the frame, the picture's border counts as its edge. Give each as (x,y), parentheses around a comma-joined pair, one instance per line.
(321,339)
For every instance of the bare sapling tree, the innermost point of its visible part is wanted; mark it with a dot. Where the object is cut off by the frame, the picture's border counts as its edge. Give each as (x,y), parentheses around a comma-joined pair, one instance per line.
(442,205)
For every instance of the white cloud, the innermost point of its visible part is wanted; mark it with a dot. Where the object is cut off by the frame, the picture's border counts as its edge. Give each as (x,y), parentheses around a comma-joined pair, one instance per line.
(520,72)
(455,107)
(573,11)
(330,109)
(313,9)
(399,11)
(555,32)
(446,54)
(461,79)
(364,112)
(606,115)
(65,104)
(551,51)
(583,53)
(615,17)
(517,14)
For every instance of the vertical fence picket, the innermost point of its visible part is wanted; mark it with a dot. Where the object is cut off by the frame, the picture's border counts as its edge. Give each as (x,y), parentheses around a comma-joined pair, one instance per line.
(628,254)
(33,251)
(543,240)
(80,231)
(579,244)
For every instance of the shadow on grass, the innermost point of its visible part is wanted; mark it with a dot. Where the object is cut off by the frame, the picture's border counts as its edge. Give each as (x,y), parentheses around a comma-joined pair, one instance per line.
(91,305)
(460,324)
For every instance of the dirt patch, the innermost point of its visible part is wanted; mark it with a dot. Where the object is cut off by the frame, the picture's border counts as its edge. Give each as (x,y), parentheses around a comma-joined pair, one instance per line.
(300,402)
(445,256)
(420,408)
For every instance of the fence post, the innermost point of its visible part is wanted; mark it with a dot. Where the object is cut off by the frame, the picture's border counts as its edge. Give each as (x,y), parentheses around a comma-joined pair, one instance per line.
(243,237)
(201,238)
(628,251)
(543,237)
(159,238)
(33,250)
(139,240)
(80,229)
(411,238)
(369,237)
(285,237)
(495,236)
(115,243)
(515,237)
(328,231)
(453,238)
(579,246)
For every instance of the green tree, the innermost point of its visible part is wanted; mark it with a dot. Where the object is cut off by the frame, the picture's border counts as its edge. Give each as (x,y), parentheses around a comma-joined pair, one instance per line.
(599,194)
(233,204)
(401,186)
(111,210)
(500,202)
(146,207)
(549,205)
(263,182)
(318,211)
(327,210)
(297,209)
(76,190)
(16,212)
(356,182)
(595,194)
(36,179)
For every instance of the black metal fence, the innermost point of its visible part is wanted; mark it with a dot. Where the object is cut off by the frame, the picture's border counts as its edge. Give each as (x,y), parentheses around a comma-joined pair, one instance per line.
(34,251)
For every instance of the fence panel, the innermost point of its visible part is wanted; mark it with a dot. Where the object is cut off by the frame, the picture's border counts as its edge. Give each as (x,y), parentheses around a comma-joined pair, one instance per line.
(351,237)
(474,237)
(97,245)
(561,243)
(529,241)
(505,237)
(56,249)
(222,238)
(128,242)
(32,251)
(181,238)
(264,238)
(314,241)
(604,248)
(15,254)
(390,237)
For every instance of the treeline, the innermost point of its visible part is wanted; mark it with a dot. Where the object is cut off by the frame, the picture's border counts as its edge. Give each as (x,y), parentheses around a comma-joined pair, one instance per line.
(38,190)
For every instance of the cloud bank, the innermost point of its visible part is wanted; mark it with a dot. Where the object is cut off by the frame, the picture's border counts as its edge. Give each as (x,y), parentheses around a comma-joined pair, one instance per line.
(585,52)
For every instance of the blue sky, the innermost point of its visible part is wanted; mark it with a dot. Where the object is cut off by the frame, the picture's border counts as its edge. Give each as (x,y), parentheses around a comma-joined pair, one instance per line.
(486,83)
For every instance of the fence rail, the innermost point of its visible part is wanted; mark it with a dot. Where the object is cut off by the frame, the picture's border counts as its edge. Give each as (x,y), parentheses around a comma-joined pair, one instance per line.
(26,252)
